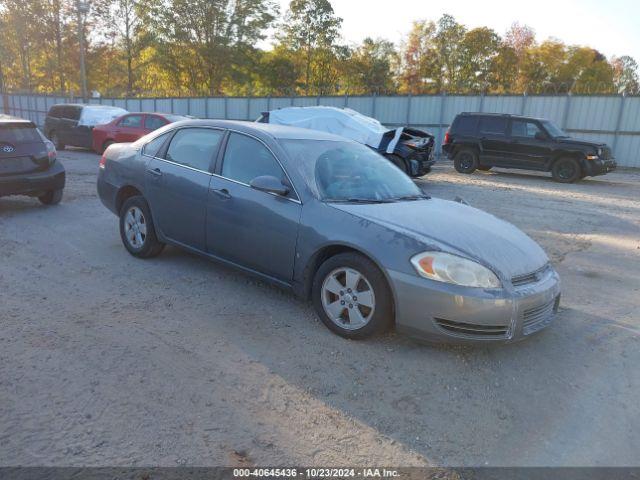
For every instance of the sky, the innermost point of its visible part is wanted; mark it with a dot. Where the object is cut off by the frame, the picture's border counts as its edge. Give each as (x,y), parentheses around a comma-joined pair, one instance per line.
(611,26)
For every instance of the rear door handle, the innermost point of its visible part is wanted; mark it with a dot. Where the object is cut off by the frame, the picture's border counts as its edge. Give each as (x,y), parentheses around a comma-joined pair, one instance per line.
(222,193)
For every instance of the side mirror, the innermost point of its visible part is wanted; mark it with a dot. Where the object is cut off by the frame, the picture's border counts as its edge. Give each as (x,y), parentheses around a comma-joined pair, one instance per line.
(541,136)
(269,184)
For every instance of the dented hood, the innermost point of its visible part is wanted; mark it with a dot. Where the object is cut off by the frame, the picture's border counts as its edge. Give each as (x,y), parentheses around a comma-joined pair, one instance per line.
(458,229)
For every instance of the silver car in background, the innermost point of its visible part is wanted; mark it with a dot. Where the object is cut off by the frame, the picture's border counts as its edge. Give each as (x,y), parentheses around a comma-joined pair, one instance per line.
(333,221)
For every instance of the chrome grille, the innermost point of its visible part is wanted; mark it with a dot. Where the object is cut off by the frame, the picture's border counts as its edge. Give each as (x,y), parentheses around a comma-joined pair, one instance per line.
(536,318)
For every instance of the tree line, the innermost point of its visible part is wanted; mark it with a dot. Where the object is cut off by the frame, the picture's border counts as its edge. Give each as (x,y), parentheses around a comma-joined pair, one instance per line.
(212,47)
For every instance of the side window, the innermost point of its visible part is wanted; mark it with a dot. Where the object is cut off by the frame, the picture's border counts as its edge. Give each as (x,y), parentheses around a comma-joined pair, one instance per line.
(194,147)
(465,125)
(55,111)
(493,125)
(133,121)
(153,147)
(522,128)
(153,123)
(72,113)
(246,158)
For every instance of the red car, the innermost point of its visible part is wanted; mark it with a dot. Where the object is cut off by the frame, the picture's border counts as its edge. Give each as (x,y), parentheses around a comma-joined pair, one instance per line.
(129,128)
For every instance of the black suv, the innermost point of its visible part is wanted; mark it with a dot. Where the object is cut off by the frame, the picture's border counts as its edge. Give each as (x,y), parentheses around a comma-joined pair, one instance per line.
(28,163)
(72,123)
(481,141)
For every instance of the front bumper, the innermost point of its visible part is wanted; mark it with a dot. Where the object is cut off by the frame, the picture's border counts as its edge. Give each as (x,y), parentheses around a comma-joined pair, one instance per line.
(599,167)
(440,312)
(35,183)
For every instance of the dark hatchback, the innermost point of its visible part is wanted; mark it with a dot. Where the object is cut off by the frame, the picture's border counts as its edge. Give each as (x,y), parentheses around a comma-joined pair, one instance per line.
(482,141)
(28,164)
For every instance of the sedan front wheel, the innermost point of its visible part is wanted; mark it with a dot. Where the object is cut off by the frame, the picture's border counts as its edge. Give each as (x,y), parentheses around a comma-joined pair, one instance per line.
(351,296)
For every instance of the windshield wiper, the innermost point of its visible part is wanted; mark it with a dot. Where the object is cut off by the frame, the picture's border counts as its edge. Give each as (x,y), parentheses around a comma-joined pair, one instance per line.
(358,200)
(413,197)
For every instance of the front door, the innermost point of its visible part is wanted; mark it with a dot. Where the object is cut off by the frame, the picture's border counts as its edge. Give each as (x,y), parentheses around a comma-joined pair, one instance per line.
(177,185)
(529,145)
(251,228)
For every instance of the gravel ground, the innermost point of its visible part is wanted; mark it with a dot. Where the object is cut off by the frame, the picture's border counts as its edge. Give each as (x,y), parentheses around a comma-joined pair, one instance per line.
(109,360)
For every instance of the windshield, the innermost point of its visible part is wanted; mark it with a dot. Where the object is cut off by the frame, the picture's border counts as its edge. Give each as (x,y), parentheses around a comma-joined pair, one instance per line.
(349,172)
(554,130)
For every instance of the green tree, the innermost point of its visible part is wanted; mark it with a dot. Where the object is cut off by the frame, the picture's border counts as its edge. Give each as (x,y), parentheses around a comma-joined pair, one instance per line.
(480,49)
(311,29)
(369,67)
(202,39)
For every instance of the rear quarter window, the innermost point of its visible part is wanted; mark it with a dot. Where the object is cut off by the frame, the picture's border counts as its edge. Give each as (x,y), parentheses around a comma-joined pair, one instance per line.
(465,125)
(19,133)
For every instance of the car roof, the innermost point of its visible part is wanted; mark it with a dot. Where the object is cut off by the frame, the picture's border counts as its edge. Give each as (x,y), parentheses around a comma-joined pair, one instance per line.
(10,119)
(490,114)
(274,131)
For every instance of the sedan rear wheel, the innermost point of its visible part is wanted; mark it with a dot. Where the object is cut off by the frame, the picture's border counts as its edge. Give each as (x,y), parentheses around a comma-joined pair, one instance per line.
(137,230)
(352,297)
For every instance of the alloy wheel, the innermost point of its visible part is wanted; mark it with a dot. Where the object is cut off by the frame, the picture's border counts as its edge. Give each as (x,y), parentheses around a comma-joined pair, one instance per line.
(135,227)
(348,298)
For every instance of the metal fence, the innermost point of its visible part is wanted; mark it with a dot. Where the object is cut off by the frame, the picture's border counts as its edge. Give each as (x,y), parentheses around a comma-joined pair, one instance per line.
(612,119)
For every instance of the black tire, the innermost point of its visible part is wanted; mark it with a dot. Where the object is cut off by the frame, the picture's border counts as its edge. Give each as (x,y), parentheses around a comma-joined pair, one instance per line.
(55,139)
(566,170)
(466,161)
(52,197)
(484,168)
(381,314)
(149,246)
(399,162)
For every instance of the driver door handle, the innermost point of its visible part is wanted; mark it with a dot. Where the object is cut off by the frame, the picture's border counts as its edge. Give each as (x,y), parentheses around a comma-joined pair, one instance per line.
(222,193)
(156,172)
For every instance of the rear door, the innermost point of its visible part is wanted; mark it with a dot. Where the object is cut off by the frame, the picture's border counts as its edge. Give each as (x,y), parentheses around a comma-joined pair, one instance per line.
(529,145)
(492,131)
(177,184)
(22,149)
(129,128)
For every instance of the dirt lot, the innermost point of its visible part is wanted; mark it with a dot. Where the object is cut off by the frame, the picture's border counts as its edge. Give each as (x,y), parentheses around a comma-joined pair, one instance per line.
(108,360)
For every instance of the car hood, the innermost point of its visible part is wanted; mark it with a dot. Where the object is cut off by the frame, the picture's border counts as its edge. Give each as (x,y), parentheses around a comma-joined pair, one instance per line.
(580,143)
(458,229)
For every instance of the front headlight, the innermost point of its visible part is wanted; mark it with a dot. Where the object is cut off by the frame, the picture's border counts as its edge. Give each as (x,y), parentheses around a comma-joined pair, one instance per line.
(448,268)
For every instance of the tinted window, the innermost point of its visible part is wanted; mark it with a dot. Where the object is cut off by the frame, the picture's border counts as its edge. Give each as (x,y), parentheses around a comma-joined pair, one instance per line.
(194,147)
(72,113)
(19,133)
(465,125)
(56,111)
(522,128)
(493,125)
(153,147)
(133,121)
(340,171)
(247,158)
(153,123)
